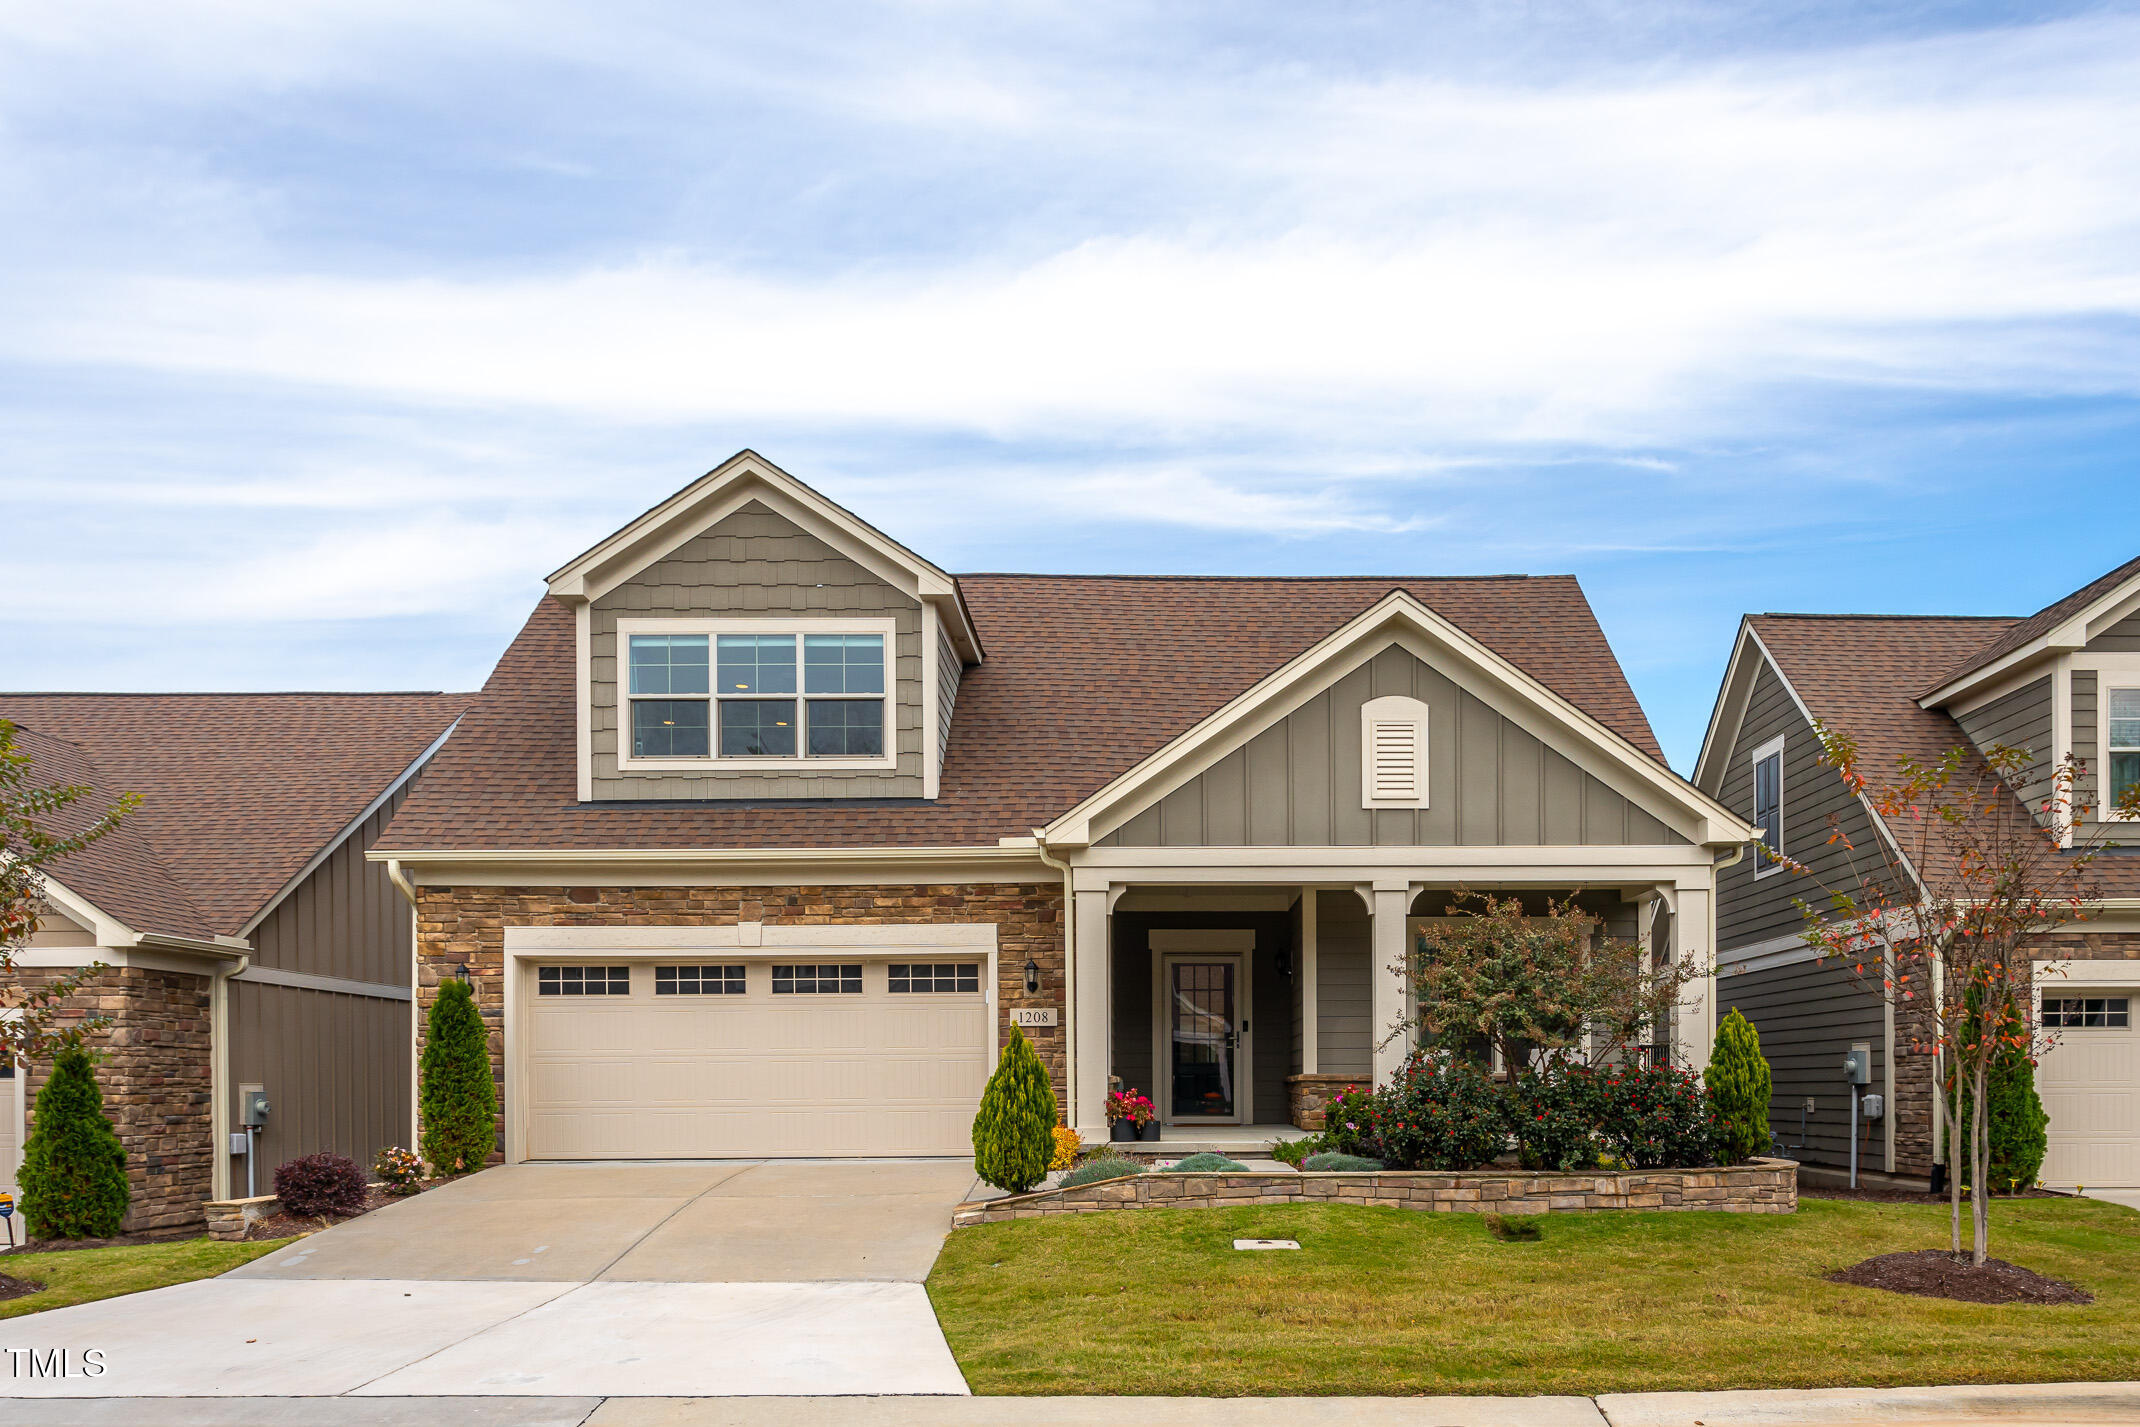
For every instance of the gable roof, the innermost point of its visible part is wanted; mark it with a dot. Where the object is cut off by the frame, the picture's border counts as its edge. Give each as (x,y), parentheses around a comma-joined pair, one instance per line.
(2041,627)
(239,791)
(1086,676)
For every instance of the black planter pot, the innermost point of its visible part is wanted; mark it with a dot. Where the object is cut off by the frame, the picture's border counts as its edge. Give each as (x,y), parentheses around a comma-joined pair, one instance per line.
(1149,1131)
(1121,1131)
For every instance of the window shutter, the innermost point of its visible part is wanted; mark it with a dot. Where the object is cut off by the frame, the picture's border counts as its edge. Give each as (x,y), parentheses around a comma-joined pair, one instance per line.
(1393,753)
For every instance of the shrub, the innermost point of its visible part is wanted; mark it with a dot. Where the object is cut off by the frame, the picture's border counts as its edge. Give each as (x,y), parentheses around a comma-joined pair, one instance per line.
(1349,1120)
(1292,1152)
(1067,1144)
(1656,1117)
(1331,1163)
(459,1100)
(321,1184)
(1436,1114)
(1014,1133)
(399,1170)
(1551,1113)
(1208,1163)
(1104,1168)
(2014,1117)
(1739,1087)
(73,1174)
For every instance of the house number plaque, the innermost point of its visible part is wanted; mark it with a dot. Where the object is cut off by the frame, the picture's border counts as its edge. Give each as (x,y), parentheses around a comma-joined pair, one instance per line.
(1032,1015)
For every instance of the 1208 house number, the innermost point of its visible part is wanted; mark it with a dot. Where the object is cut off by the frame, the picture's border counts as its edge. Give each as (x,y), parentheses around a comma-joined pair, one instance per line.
(1032,1016)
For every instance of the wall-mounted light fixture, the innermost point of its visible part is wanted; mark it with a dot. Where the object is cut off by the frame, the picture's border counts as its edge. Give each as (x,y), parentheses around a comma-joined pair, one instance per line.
(1285,962)
(1032,977)
(460,973)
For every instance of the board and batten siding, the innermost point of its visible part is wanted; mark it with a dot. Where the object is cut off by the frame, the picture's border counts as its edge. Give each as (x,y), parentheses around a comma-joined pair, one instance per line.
(1808,1015)
(755,563)
(1297,784)
(1751,909)
(2021,719)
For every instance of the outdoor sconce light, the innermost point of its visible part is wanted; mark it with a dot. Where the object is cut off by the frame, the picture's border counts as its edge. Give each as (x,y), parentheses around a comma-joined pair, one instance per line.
(1285,962)
(460,973)
(1032,977)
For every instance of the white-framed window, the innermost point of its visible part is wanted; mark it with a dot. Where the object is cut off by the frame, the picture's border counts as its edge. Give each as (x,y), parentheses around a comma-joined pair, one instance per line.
(825,979)
(2092,1013)
(583,981)
(915,978)
(1393,753)
(1768,806)
(2121,745)
(761,693)
(726,980)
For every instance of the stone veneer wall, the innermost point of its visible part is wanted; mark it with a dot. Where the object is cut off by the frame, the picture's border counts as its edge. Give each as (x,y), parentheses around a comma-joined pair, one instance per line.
(1307,1096)
(154,1068)
(466,926)
(1761,1186)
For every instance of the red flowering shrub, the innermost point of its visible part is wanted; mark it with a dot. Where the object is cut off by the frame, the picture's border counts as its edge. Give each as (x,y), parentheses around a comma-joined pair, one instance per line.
(1552,1113)
(1436,1114)
(1657,1117)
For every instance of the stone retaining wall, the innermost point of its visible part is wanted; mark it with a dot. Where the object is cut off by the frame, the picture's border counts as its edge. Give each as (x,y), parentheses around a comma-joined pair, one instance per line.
(1761,1186)
(1307,1096)
(228,1219)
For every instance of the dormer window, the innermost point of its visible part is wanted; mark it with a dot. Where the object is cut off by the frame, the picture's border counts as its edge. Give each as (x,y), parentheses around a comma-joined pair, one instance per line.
(763,693)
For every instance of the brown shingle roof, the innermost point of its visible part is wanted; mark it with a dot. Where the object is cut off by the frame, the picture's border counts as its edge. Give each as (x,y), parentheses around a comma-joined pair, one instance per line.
(2042,622)
(1086,676)
(240,790)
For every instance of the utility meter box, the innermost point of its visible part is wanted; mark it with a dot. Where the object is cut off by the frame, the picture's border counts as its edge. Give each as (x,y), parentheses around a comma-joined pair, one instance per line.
(254,1107)
(1858,1065)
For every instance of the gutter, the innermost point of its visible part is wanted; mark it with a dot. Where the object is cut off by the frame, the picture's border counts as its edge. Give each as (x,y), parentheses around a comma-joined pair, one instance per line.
(1071,1068)
(400,879)
(1017,852)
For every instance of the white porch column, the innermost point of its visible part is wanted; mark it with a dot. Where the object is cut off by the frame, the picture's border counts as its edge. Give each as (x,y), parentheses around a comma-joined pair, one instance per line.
(1694,935)
(1090,1053)
(1385,975)
(1310,1050)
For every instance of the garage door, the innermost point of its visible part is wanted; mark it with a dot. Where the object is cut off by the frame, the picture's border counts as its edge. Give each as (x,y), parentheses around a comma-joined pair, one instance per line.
(2090,1085)
(732,1058)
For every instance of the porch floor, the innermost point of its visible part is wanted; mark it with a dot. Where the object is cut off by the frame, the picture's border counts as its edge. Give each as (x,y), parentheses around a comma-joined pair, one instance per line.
(1234,1140)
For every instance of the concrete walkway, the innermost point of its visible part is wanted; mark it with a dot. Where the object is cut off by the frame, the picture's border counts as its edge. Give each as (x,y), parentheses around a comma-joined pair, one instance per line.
(571,1280)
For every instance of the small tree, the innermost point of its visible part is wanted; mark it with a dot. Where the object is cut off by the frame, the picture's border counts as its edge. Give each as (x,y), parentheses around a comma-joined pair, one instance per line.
(2014,1117)
(1739,1086)
(1014,1133)
(73,1172)
(459,1099)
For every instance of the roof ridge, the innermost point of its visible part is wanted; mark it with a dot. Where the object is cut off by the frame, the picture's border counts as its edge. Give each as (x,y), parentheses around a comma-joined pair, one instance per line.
(236,693)
(1248,579)
(1802,614)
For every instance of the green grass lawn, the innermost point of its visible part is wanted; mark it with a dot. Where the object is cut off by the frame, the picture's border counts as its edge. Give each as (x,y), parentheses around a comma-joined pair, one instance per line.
(85,1275)
(1389,1301)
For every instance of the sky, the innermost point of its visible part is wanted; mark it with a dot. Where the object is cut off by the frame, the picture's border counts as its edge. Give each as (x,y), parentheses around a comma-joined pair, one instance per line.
(327,330)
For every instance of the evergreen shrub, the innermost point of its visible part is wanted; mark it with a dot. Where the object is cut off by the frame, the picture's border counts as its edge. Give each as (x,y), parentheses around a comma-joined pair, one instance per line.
(1739,1087)
(73,1174)
(1014,1133)
(458,1099)
(321,1184)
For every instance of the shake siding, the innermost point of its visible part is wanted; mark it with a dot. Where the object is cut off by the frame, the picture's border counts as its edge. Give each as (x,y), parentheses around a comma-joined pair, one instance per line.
(2021,719)
(1297,784)
(1808,1015)
(1343,1024)
(1750,910)
(755,562)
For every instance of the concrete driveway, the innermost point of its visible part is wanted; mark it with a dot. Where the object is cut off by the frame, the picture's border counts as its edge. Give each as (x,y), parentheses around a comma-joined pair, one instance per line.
(584,1280)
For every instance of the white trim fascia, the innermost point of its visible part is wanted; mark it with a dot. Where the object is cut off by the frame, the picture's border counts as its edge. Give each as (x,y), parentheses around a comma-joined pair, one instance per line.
(203,962)
(1771,749)
(1353,644)
(338,985)
(2069,636)
(727,865)
(107,930)
(349,830)
(1992,693)
(1733,694)
(1329,866)
(746,939)
(1766,955)
(583,700)
(2087,972)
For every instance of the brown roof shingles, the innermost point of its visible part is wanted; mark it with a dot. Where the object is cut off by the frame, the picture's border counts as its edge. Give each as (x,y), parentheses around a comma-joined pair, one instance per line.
(239,791)
(1085,677)
(2021,631)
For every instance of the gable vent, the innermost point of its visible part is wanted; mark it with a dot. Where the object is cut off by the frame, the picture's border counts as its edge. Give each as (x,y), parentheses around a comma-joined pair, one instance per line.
(1393,753)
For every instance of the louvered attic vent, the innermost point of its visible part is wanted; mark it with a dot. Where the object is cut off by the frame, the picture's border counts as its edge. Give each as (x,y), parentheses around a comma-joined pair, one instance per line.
(1393,753)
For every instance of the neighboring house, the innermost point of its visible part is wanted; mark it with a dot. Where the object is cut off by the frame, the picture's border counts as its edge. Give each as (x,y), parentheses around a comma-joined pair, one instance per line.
(2065,680)
(246,940)
(765,830)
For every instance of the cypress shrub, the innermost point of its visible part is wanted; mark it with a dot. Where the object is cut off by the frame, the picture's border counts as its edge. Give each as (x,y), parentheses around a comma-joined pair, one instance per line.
(1014,1133)
(2013,1114)
(459,1100)
(73,1174)
(1739,1088)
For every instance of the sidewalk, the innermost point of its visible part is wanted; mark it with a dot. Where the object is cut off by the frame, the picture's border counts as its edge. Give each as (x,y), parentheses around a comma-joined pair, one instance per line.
(2032,1405)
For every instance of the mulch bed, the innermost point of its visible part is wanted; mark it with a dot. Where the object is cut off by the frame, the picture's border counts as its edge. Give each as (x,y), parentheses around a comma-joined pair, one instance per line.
(287,1226)
(1871,1195)
(1935,1273)
(18,1287)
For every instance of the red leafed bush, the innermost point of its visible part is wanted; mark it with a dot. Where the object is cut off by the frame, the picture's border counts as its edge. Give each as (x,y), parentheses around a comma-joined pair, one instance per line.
(319,1185)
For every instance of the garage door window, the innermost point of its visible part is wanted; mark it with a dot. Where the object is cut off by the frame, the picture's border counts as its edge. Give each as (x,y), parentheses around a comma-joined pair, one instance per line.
(839,979)
(583,981)
(2087,1013)
(698,980)
(919,977)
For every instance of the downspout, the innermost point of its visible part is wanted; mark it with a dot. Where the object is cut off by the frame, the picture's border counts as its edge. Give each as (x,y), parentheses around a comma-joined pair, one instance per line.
(219,1186)
(1070,1065)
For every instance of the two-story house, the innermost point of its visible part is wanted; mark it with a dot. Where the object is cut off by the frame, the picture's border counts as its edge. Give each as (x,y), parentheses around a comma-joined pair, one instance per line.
(2064,681)
(766,830)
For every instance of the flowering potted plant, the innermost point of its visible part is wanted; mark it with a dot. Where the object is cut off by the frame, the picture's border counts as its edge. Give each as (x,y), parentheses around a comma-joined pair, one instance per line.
(1128,1114)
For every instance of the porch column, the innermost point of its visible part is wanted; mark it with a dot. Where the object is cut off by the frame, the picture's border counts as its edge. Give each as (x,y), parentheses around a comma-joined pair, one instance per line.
(1694,935)
(1385,976)
(1310,1051)
(1091,1057)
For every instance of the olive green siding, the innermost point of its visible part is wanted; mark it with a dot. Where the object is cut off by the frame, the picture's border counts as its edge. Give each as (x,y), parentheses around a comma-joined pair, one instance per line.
(2121,638)
(2021,719)
(1344,1022)
(1808,1014)
(1297,784)
(2087,731)
(756,563)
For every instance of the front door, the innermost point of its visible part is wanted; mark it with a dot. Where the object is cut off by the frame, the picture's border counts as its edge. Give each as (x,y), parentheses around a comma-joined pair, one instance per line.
(1205,1032)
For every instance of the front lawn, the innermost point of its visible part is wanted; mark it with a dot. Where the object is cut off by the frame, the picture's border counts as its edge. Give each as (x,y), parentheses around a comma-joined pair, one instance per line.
(84,1275)
(1389,1301)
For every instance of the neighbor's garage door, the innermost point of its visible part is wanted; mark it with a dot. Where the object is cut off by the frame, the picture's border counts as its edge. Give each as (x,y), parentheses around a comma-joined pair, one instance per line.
(859,1056)
(2090,1085)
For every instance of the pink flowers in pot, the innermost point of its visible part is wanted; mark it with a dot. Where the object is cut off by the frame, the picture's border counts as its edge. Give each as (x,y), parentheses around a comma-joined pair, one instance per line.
(1130,1105)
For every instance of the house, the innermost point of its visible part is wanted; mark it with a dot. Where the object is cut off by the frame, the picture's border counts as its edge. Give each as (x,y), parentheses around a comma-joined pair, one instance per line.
(766,831)
(246,942)
(2065,680)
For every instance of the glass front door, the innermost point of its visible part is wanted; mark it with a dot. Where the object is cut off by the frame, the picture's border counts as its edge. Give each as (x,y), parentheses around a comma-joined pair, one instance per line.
(1202,1039)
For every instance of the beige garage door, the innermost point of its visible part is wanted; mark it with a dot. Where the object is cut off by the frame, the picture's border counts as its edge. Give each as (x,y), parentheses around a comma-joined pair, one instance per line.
(2090,1084)
(709,1059)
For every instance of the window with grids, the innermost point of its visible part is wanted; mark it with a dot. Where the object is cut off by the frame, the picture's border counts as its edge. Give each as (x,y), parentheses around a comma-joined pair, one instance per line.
(698,980)
(1768,809)
(835,979)
(2091,1013)
(583,981)
(2124,745)
(758,695)
(917,977)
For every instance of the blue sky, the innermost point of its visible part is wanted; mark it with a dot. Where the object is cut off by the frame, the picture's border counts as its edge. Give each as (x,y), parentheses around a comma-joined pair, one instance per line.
(327,330)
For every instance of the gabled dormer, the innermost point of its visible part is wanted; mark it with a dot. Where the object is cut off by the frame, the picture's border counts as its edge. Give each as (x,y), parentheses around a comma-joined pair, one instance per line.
(749,639)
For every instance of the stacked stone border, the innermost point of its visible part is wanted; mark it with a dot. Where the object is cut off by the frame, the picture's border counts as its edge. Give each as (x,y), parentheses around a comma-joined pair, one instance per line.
(228,1219)
(1760,1186)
